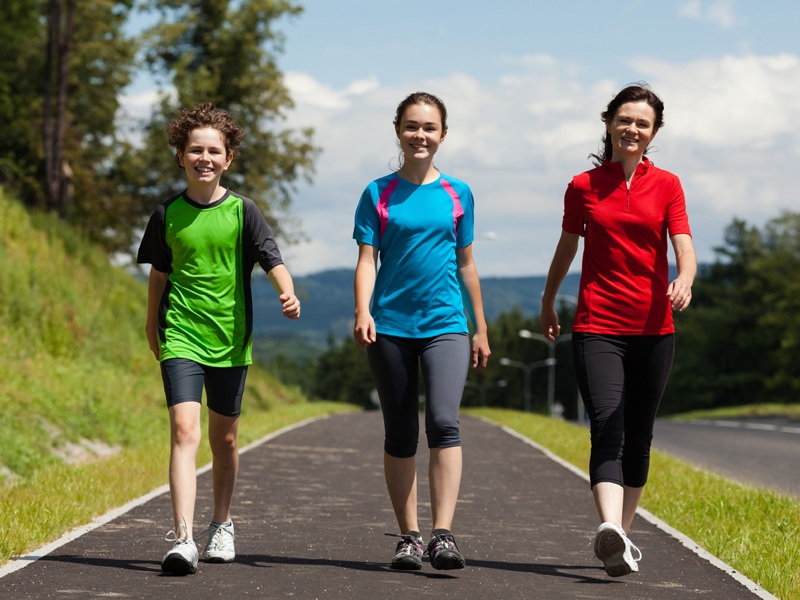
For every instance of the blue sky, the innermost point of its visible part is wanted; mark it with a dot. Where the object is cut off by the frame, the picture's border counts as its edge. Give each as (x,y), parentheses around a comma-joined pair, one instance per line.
(524,83)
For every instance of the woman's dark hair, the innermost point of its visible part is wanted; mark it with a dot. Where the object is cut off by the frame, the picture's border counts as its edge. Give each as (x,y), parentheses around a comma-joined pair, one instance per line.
(635,92)
(203,115)
(421,98)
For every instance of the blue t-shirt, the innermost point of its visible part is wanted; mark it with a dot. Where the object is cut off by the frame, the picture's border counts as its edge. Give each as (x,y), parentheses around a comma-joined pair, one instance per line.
(417,229)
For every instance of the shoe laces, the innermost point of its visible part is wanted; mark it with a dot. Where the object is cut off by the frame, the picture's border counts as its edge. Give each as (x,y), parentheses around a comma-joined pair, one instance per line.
(441,541)
(175,536)
(633,548)
(215,532)
(408,544)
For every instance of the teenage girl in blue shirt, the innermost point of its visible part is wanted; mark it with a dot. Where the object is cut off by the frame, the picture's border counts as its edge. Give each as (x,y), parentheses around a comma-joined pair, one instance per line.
(410,313)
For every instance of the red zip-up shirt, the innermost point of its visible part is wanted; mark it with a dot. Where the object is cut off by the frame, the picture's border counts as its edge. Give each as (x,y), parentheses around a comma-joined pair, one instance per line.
(624,277)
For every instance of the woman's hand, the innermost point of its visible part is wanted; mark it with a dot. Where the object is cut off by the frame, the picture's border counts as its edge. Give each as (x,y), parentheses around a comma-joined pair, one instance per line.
(680,294)
(548,320)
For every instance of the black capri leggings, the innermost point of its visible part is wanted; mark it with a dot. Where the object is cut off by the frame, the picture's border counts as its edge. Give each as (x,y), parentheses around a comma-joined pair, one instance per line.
(622,380)
(395,363)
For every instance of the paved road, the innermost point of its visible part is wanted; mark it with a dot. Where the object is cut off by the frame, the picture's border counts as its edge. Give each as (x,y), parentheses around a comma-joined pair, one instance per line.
(761,452)
(311,511)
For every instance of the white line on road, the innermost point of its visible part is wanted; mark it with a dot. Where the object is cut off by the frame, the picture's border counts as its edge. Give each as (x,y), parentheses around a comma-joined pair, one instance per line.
(761,426)
(746,425)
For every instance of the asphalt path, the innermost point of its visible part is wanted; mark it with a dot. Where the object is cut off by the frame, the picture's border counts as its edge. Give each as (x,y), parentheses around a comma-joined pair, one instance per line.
(761,451)
(311,511)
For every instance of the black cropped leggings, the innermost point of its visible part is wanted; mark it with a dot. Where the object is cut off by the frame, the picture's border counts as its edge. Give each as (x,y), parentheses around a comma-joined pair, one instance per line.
(395,363)
(622,380)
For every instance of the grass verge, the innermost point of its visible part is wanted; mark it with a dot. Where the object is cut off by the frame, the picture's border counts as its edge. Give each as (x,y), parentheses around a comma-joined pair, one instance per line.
(755,531)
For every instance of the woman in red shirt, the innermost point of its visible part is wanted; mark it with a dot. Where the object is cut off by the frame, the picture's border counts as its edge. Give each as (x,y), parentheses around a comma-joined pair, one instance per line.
(626,209)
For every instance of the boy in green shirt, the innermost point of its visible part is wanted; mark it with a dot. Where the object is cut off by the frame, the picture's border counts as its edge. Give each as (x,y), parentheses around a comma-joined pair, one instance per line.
(202,245)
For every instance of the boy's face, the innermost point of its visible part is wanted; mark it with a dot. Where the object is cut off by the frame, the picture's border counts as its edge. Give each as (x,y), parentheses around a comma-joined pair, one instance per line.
(204,159)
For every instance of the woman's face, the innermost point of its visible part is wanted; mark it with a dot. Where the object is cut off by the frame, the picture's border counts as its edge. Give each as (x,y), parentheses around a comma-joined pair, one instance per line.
(631,130)
(420,132)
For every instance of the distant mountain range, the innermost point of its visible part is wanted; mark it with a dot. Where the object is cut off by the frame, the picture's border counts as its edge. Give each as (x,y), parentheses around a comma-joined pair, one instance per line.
(327,299)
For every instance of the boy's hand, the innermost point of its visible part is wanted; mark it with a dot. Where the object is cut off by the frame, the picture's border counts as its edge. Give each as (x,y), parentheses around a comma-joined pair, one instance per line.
(291,306)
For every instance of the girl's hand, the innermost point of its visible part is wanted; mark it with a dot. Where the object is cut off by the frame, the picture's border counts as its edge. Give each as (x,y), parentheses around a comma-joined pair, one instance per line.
(480,352)
(364,330)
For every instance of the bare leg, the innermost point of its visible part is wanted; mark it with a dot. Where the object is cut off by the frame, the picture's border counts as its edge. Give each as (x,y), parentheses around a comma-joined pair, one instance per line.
(609,497)
(184,441)
(616,503)
(223,437)
(445,480)
(401,481)
(629,505)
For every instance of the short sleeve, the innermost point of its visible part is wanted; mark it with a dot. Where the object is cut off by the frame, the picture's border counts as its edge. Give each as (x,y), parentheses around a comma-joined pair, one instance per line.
(259,240)
(677,219)
(153,248)
(465,231)
(573,220)
(367,223)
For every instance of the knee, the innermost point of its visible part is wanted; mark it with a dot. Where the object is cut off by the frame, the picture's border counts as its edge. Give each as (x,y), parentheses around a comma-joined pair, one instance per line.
(185,433)
(443,434)
(224,444)
(401,446)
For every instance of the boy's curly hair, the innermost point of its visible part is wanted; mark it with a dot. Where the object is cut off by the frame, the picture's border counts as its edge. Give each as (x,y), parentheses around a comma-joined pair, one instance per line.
(203,115)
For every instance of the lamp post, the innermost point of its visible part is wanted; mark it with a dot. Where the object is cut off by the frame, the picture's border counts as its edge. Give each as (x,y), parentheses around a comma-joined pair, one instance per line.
(551,348)
(483,388)
(527,369)
(551,352)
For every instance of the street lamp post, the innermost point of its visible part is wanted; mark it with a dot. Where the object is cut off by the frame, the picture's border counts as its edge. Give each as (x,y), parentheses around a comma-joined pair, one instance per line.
(527,369)
(483,388)
(551,352)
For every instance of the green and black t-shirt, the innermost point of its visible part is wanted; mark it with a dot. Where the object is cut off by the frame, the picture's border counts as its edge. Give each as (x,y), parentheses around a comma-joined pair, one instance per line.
(208,252)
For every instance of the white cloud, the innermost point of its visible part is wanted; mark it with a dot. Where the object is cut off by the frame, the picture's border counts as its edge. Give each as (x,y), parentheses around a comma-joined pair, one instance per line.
(731,135)
(730,101)
(719,13)
(306,90)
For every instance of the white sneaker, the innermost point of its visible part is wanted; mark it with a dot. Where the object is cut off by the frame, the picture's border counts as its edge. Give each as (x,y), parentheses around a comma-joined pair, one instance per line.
(613,547)
(182,559)
(220,548)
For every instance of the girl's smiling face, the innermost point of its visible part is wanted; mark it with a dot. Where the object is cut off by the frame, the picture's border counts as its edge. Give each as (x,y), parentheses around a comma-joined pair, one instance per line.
(205,159)
(420,132)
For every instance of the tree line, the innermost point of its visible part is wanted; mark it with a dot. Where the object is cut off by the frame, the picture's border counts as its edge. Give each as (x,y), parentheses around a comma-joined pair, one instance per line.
(65,65)
(738,343)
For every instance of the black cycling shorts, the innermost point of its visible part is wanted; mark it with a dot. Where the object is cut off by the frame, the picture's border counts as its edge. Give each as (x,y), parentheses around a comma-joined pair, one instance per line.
(184,380)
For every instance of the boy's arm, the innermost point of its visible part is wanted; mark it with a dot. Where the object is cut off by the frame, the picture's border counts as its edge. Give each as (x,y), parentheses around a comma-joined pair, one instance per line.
(282,281)
(155,290)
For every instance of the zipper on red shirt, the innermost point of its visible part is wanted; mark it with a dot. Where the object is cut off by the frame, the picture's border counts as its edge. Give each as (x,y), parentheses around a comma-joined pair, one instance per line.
(627,199)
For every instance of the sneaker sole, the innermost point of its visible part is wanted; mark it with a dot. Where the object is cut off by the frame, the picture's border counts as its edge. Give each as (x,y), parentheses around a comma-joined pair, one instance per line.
(406,564)
(448,561)
(610,549)
(177,566)
(219,558)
